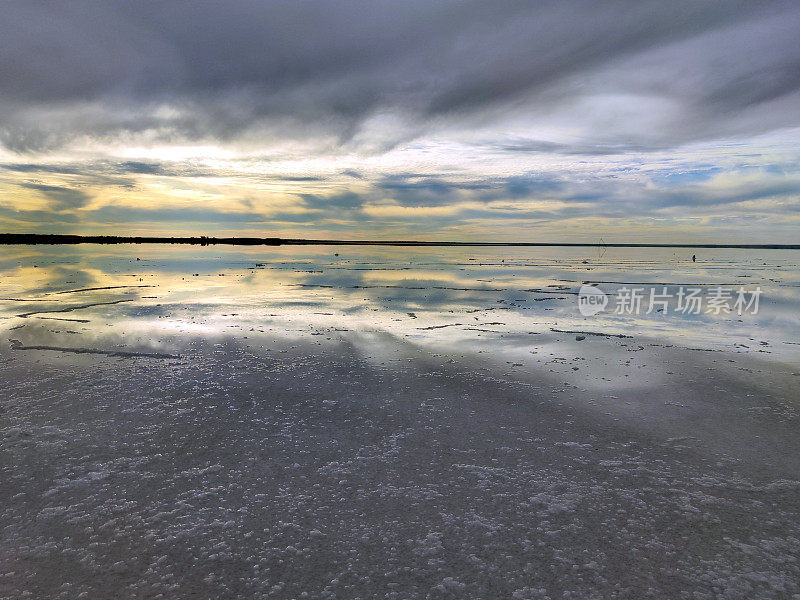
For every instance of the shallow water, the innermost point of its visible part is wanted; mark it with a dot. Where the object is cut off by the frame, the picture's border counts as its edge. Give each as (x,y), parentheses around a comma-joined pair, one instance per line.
(472,296)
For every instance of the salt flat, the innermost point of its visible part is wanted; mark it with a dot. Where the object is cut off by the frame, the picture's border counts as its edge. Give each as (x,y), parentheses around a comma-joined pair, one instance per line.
(391,425)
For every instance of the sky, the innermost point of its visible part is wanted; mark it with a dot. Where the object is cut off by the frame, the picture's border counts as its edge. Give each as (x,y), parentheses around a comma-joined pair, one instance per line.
(502,120)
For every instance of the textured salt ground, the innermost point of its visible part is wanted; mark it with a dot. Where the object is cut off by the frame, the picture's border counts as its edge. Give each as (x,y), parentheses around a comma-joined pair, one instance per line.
(315,471)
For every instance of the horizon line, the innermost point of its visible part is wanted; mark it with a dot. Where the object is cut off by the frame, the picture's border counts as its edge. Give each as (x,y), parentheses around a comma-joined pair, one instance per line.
(56,239)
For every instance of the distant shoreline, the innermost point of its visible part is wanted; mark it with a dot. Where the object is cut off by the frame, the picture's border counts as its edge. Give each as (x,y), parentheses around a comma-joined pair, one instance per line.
(33,238)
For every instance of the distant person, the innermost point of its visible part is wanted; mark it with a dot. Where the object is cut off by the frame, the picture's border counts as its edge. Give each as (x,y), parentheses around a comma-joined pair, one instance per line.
(694,258)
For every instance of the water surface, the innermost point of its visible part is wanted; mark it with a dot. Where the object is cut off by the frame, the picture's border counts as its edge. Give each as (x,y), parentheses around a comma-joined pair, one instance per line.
(472,296)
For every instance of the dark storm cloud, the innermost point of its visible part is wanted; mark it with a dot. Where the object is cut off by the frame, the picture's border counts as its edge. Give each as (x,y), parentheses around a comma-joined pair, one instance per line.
(105,68)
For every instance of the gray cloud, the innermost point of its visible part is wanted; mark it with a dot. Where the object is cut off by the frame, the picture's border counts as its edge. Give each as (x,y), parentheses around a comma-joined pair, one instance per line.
(143,168)
(61,198)
(324,68)
(40,168)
